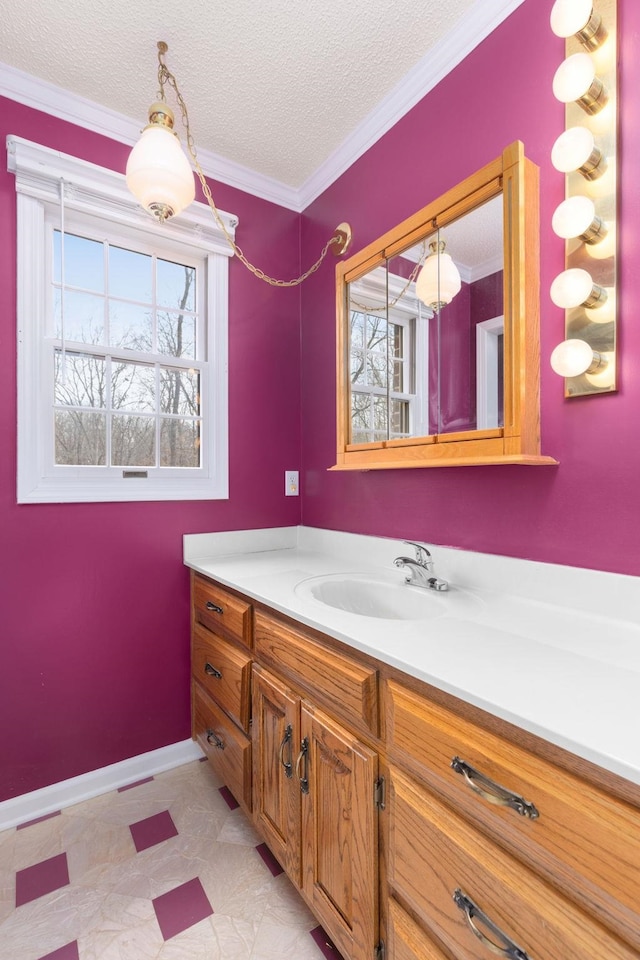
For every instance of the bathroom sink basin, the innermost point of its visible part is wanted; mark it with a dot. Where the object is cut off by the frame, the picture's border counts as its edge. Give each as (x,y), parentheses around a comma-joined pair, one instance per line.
(368,596)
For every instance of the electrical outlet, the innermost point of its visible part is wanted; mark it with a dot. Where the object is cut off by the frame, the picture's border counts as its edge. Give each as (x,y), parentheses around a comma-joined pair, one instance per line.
(291,483)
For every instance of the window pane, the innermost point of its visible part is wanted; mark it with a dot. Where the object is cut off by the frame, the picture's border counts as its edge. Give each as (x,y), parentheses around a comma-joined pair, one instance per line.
(79,380)
(176,334)
(179,392)
(377,369)
(357,366)
(380,418)
(398,382)
(376,333)
(133,441)
(357,330)
(175,285)
(179,443)
(83,262)
(398,418)
(130,326)
(133,387)
(80,438)
(360,418)
(130,275)
(83,316)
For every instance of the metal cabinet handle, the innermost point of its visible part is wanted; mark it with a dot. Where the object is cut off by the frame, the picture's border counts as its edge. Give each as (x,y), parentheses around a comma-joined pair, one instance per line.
(492,792)
(213,606)
(287,764)
(303,755)
(215,740)
(506,947)
(212,672)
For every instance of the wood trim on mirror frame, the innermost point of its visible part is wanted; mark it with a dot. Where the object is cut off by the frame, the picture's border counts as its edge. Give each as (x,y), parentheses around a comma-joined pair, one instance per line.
(518,441)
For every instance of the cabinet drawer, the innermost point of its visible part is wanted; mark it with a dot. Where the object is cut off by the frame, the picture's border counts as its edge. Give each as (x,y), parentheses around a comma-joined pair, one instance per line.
(434,855)
(406,940)
(226,747)
(592,838)
(220,611)
(349,688)
(224,671)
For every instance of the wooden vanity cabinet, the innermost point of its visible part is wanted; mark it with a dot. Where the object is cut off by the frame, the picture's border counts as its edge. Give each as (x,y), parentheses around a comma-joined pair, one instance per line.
(546,858)
(407,818)
(314,794)
(221,637)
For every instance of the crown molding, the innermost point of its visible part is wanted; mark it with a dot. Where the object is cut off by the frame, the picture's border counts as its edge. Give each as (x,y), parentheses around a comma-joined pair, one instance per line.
(41,95)
(482,19)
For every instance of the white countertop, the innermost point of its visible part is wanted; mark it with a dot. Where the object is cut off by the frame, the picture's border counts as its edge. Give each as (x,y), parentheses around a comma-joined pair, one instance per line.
(555,650)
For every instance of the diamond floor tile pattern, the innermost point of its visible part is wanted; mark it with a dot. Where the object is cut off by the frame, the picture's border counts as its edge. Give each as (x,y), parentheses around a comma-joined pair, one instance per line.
(168,868)
(146,833)
(180,908)
(41,878)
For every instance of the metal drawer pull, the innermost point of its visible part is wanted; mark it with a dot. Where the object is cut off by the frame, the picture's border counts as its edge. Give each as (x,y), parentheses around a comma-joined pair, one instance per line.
(215,740)
(213,606)
(303,755)
(212,672)
(493,792)
(507,948)
(287,764)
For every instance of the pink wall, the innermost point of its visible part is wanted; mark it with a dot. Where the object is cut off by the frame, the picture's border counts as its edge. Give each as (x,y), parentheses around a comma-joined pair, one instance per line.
(586,512)
(93,598)
(94,621)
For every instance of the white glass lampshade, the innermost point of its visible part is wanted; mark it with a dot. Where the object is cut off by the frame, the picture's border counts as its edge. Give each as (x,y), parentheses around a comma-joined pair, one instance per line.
(576,80)
(568,17)
(575,149)
(158,172)
(439,280)
(575,288)
(576,217)
(571,358)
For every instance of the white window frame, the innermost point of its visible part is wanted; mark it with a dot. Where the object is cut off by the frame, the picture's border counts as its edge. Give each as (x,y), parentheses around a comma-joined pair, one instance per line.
(100,196)
(487,372)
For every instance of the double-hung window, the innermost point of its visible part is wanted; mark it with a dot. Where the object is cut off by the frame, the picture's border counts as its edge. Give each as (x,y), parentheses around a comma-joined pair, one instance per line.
(122,340)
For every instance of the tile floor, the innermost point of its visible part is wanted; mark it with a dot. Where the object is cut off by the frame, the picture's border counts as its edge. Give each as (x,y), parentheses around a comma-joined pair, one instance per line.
(166,869)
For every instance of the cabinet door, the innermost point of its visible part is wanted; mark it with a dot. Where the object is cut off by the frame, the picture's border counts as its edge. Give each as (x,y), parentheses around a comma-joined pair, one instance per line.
(337,774)
(276,739)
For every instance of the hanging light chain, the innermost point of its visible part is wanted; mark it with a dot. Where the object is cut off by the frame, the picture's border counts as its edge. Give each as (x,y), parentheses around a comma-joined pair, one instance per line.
(165,76)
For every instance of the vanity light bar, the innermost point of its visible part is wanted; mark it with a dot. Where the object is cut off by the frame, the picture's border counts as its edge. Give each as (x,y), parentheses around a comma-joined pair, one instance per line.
(586,82)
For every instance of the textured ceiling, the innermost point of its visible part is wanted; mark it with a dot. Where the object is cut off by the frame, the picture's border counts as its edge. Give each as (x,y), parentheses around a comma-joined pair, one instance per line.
(274,85)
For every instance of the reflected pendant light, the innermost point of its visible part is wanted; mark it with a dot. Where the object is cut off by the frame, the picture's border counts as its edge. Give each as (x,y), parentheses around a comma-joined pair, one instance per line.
(439,280)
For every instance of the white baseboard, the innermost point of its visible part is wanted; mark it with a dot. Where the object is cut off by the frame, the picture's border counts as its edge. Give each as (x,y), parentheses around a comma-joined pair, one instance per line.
(39,803)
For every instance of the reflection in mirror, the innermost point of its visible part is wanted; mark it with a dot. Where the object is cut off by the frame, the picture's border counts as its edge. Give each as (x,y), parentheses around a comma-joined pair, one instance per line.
(437,330)
(414,330)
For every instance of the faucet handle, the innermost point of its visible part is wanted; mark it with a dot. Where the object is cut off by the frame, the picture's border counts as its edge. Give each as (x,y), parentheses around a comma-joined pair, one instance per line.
(423,556)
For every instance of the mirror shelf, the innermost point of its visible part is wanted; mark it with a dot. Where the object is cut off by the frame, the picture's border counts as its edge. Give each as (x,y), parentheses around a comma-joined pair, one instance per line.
(443,370)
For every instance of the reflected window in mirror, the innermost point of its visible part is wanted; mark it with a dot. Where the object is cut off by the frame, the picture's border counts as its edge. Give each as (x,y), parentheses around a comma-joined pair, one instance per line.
(438,352)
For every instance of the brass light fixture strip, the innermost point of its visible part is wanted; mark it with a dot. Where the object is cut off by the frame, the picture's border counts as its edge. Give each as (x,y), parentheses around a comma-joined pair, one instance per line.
(597,325)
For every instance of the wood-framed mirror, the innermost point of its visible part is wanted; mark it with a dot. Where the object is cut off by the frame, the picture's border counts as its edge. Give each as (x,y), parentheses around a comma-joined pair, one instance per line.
(438,331)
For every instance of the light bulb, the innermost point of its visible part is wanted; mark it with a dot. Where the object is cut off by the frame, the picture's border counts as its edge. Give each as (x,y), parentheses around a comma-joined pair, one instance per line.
(577,18)
(158,172)
(576,80)
(575,288)
(572,358)
(576,217)
(439,280)
(575,149)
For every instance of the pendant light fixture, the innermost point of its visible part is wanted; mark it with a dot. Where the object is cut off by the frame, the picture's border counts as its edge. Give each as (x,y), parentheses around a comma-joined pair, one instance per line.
(160,177)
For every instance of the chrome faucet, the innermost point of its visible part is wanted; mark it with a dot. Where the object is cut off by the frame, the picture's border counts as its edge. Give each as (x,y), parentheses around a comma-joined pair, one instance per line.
(421,568)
